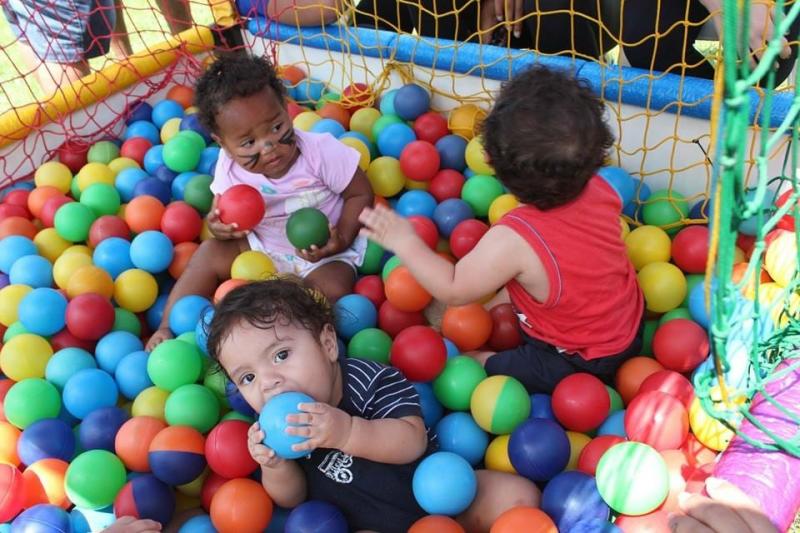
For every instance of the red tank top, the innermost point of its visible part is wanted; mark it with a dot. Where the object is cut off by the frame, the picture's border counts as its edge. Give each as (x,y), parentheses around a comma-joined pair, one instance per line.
(595,304)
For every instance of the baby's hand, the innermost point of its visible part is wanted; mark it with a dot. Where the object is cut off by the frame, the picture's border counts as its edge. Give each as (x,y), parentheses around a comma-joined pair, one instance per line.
(264,456)
(219,229)
(129,524)
(160,335)
(334,246)
(386,227)
(323,425)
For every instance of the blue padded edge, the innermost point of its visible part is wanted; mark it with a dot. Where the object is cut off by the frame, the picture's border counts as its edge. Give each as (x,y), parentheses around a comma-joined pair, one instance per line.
(626,84)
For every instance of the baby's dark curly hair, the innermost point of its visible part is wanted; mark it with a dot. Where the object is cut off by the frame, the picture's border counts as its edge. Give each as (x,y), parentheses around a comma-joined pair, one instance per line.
(233,76)
(282,300)
(546,136)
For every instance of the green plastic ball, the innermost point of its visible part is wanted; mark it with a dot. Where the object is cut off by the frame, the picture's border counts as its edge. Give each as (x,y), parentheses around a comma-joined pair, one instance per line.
(632,478)
(75,189)
(13,330)
(198,193)
(94,478)
(73,220)
(174,363)
(102,152)
(454,386)
(215,381)
(181,153)
(124,320)
(384,122)
(307,227)
(193,136)
(390,265)
(101,198)
(480,191)
(372,259)
(664,208)
(499,404)
(188,336)
(328,97)
(194,406)
(372,344)
(678,312)
(650,327)
(31,400)
(616,400)
(236,415)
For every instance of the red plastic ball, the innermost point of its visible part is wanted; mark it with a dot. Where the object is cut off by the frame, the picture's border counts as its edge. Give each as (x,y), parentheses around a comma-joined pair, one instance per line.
(372,288)
(696,452)
(669,382)
(787,221)
(17,226)
(657,419)
(49,209)
(355,96)
(680,345)
(135,148)
(242,205)
(294,109)
(419,353)
(426,229)
(419,161)
(226,450)
(89,316)
(690,249)
(505,328)
(430,127)
(655,522)
(18,197)
(210,487)
(181,255)
(5,384)
(392,320)
(581,402)
(65,339)
(446,184)
(12,210)
(466,235)
(181,222)
(11,492)
(73,154)
(594,450)
(336,112)
(468,326)
(108,226)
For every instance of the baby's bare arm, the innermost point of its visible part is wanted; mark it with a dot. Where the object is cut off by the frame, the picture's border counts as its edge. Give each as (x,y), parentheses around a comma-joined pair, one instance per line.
(304,12)
(285,483)
(387,440)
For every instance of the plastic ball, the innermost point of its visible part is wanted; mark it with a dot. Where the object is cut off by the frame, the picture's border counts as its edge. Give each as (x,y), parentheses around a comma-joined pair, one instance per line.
(186,313)
(465,120)
(13,248)
(39,196)
(591,453)
(386,176)
(64,363)
(133,440)
(580,402)
(613,425)
(165,110)
(499,404)
(226,450)
(113,256)
(465,236)
(647,244)
(272,421)
(241,505)
(430,127)
(106,227)
(480,192)
(25,356)
(181,154)
(44,483)
(176,455)
(315,516)
(458,433)
(420,203)
(192,405)
(710,431)
(419,353)
(419,160)
(49,209)
(666,209)
(131,374)
(393,321)
(539,449)
(455,384)
(372,288)
(94,478)
(54,174)
(305,121)
(30,400)
(354,313)
(663,285)
(657,419)
(542,406)
(445,495)
(411,101)
(632,478)
(135,290)
(174,363)
(87,390)
(252,265)
(90,279)
(89,316)
(469,326)
(405,292)
(500,206)
(42,517)
(144,213)
(99,429)
(446,185)
(395,138)
(113,347)
(101,198)
(505,328)
(242,205)
(451,152)
(426,229)
(476,158)
(42,311)
(573,496)
(671,383)
(690,249)
(373,259)
(46,438)
(619,180)
(307,227)
(145,497)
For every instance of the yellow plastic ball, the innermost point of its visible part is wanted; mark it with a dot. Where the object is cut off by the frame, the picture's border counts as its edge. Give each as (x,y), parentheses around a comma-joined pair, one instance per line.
(92,173)
(79,249)
(502,205)
(738,255)
(90,278)
(415,185)
(194,487)
(205,233)
(385,176)
(306,120)
(66,265)
(363,120)
(577,441)
(121,163)
(135,290)
(170,129)
(25,356)
(476,157)
(191,110)
(54,174)
(10,296)
(648,244)
(624,228)
(252,265)
(150,402)
(50,244)
(496,457)
(464,120)
(708,430)
(780,260)
(363,152)
(663,285)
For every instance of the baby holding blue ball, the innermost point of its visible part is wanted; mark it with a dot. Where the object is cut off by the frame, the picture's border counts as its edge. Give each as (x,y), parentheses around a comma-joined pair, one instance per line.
(361,437)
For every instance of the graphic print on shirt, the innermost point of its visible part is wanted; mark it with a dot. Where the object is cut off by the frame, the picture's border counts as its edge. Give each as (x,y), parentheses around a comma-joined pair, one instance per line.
(310,198)
(336,466)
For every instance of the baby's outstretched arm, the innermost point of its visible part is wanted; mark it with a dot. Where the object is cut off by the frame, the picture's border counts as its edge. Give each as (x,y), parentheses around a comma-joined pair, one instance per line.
(282,479)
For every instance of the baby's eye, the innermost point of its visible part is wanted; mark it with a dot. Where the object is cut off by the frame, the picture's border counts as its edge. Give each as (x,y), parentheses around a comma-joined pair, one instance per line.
(277,127)
(281,356)
(247,143)
(246,379)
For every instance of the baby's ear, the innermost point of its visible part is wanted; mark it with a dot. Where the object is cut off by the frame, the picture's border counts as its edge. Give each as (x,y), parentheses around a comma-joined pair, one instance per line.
(329,342)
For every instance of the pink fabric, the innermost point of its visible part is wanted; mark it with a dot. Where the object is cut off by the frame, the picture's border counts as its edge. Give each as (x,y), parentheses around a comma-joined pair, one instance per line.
(323,170)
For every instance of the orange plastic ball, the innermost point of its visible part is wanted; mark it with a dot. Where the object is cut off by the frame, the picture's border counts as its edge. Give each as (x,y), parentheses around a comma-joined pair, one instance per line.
(469,326)
(9,435)
(133,439)
(144,213)
(523,519)
(404,292)
(182,94)
(632,373)
(436,524)
(44,483)
(17,226)
(291,73)
(38,197)
(241,505)
(88,279)
(227,286)
(182,254)
(336,112)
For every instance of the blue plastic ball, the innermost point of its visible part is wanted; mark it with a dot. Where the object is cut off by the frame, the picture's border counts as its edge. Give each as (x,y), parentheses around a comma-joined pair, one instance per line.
(186,313)
(416,202)
(154,158)
(32,270)
(701,210)
(179,183)
(450,214)
(353,313)
(539,449)
(87,390)
(202,329)
(143,128)
(198,524)
(619,180)
(328,125)
(448,494)
(99,429)
(432,410)
(65,363)
(166,175)
(387,102)
(308,90)
(273,423)
(411,101)
(43,311)
(573,496)
(86,520)
(164,110)
(44,439)
(151,186)
(613,425)
(697,305)
(131,374)
(452,349)
(237,401)
(151,251)
(192,122)
(112,347)
(633,208)
(315,516)
(42,518)
(208,160)
(594,525)
(451,150)
(373,150)
(155,313)
(541,406)
(394,138)
(126,182)
(12,248)
(460,434)
(138,111)
(113,256)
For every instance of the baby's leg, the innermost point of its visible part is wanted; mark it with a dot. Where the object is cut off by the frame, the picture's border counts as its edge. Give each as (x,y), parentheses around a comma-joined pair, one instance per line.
(334,279)
(497,492)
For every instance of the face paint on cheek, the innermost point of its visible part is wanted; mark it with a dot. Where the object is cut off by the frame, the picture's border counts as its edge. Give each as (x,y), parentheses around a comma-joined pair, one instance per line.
(252,159)
(288,137)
